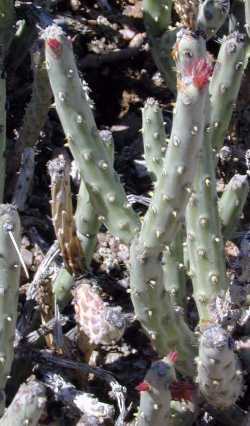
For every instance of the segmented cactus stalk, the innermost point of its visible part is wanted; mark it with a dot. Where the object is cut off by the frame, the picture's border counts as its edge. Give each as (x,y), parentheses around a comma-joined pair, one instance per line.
(102,323)
(106,192)
(155,393)
(27,406)
(212,15)
(219,372)
(9,282)
(225,85)
(172,191)
(38,107)
(204,238)
(231,204)
(174,272)
(62,214)
(247,16)
(157,19)
(154,137)
(187,11)
(173,187)
(7,23)
(86,219)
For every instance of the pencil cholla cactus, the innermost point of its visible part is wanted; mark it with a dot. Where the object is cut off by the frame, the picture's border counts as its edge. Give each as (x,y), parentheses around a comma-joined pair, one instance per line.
(219,371)
(155,393)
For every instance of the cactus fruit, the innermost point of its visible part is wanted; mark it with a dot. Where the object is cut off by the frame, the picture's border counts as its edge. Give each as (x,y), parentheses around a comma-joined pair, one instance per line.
(9,282)
(225,85)
(155,393)
(62,214)
(219,372)
(27,406)
(187,11)
(106,192)
(231,204)
(154,136)
(212,15)
(102,323)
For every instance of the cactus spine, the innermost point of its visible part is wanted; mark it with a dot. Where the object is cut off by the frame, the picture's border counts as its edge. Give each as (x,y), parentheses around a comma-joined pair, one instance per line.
(9,282)
(106,193)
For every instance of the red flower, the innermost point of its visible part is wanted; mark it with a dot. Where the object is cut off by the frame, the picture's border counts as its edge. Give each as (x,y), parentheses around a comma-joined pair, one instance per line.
(56,46)
(143,387)
(172,357)
(200,70)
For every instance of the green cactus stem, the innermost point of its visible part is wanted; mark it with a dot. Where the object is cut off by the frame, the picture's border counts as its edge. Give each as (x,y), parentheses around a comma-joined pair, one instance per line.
(7,23)
(155,393)
(62,287)
(2,135)
(163,323)
(157,19)
(27,406)
(174,271)
(231,204)
(225,85)
(219,372)
(172,190)
(212,15)
(204,238)
(7,28)
(38,107)
(154,137)
(157,16)
(162,220)
(86,219)
(247,16)
(106,192)
(9,282)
